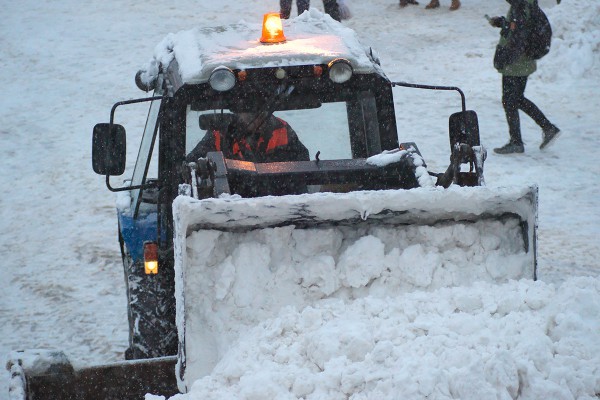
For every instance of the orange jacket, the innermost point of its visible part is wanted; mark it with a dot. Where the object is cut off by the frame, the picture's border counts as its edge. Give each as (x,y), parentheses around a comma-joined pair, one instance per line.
(277,142)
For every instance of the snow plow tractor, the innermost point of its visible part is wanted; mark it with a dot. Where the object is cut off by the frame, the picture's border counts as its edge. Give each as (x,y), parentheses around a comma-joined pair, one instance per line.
(270,173)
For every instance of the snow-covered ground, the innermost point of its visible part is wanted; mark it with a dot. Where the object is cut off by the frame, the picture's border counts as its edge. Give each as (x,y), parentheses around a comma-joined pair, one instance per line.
(62,287)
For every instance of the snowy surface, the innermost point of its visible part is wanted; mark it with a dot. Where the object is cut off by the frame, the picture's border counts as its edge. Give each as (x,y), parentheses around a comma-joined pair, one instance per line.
(62,284)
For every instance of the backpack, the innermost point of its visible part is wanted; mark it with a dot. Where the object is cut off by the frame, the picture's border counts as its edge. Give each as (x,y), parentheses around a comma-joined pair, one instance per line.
(539,33)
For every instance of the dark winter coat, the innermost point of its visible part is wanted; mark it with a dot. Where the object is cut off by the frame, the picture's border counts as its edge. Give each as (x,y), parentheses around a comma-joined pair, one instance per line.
(510,58)
(275,142)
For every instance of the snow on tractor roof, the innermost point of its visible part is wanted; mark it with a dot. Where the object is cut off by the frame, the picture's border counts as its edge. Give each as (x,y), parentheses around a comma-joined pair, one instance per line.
(312,38)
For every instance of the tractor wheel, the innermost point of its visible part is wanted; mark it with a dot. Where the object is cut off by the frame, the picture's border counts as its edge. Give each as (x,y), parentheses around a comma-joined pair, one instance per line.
(150,310)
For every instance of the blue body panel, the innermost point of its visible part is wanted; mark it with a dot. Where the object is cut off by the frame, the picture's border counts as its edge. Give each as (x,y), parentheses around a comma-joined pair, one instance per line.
(137,231)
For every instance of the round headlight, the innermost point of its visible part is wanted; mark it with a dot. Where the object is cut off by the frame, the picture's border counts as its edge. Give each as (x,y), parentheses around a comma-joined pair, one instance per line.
(222,79)
(340,70)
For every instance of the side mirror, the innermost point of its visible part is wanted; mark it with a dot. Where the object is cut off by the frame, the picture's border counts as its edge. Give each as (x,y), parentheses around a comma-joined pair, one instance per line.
(464,128)
(108,149)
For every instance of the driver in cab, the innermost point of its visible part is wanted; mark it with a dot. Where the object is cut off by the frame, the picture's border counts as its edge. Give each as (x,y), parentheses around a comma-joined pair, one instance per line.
(252,136)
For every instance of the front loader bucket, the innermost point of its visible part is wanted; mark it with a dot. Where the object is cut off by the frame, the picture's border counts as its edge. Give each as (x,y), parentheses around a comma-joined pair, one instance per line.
(46,374)
(240,261)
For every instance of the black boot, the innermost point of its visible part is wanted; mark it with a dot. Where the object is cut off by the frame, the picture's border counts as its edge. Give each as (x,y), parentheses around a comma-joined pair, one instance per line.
(404,3)
(510,148)
(548,136)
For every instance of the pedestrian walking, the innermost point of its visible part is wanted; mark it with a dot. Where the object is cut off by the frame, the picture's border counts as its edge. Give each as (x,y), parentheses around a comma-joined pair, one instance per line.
(515,66)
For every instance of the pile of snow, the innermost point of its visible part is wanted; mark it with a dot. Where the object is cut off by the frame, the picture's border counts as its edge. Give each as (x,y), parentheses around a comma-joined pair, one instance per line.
(269,253)
(575,51)
(521,339)
(240,279)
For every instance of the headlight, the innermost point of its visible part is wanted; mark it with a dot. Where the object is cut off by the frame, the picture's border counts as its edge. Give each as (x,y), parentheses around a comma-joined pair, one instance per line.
(222,79)
(340,70)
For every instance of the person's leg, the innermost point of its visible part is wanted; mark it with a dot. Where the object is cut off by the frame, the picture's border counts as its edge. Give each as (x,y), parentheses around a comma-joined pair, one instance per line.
(512,94)
(285,8)
(331,7)
(534,112)
(549,131)
(303,5)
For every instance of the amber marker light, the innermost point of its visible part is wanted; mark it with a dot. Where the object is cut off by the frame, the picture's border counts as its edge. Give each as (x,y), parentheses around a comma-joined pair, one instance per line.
(318,70)
(272,29)
(151,258)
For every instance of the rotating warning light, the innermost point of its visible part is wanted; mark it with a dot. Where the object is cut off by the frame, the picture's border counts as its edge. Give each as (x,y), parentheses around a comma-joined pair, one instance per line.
(151,258)
(272,29)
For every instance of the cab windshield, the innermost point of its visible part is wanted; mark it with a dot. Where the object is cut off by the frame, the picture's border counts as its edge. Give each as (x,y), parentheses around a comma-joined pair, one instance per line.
(332,125)
(322,130)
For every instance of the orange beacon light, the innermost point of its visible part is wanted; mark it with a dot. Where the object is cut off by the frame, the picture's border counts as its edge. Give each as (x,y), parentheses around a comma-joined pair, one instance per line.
(272,29)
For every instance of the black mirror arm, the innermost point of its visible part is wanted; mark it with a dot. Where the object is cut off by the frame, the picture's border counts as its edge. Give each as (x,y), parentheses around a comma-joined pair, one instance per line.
(133,101)
(432,87)
(124,188)
(124,102)
(110,128)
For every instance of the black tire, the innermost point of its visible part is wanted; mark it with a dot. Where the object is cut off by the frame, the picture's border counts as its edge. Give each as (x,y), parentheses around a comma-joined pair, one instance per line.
(150,310)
